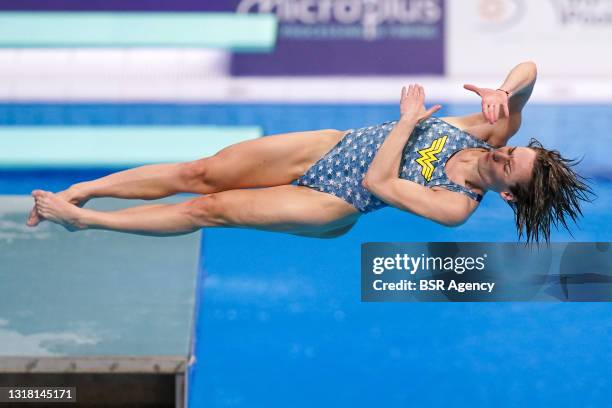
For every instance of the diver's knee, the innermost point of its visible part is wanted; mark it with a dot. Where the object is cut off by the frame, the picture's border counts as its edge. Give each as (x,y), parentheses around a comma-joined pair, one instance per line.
(195,175)
(206,211)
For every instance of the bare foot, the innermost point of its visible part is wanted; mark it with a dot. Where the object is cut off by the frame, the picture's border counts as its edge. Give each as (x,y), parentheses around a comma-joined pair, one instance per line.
(50,207)
(68,195)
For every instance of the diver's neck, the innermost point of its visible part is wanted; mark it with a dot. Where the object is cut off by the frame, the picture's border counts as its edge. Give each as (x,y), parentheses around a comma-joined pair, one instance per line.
(473,175)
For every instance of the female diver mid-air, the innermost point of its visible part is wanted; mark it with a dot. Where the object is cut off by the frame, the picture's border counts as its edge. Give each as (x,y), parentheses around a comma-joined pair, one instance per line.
(438,168)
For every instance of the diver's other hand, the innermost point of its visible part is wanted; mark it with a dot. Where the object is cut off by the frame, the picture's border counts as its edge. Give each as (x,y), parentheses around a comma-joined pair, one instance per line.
(412,104)
(492,101)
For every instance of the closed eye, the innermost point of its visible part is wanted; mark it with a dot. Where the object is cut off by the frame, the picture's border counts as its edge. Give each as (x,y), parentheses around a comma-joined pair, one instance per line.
(511,152)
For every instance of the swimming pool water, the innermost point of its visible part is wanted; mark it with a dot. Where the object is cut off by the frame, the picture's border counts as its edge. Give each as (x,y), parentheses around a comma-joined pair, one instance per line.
(281,322)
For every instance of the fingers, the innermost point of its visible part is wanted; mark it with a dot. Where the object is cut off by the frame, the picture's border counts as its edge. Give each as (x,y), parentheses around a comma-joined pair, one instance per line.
(415,104)
(419,92)
(491,112)
(488,113)
(485,112)
(414,91)
(472,88)
(409,91)
(432,110)
(507,110)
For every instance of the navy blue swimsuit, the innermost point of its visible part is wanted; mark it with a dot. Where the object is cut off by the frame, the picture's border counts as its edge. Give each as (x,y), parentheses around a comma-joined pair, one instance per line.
(429,147)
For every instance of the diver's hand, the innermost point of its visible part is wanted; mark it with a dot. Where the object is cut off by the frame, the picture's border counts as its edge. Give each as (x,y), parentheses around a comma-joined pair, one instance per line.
(412,104)
(492,101)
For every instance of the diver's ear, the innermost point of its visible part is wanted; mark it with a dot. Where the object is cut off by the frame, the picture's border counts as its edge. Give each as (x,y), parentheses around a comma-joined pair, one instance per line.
(507,196)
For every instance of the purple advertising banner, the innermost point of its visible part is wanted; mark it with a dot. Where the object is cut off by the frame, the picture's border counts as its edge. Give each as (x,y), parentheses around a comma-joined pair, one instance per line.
(349,37)
(315,37)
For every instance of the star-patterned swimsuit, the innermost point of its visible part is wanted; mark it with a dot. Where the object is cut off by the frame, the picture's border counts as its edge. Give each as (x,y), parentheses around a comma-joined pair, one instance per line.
(424,156)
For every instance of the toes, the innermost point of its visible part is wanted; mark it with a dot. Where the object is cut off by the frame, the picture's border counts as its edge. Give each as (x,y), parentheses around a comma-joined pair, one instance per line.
(39,218)
(34,214)
(42,197)
(45,202)
(40,205)
(40,192)
(39,196)
(50,197)
(43,210)
(33,218)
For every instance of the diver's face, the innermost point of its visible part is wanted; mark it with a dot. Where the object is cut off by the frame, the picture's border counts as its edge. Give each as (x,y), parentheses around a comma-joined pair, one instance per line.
(505,167)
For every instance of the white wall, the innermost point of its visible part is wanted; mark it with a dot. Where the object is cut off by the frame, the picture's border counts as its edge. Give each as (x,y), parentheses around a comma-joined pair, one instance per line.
(567,38)
(105,74)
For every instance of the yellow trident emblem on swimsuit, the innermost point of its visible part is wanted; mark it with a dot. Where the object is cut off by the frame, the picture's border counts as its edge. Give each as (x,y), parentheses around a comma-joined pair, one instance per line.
(428,157)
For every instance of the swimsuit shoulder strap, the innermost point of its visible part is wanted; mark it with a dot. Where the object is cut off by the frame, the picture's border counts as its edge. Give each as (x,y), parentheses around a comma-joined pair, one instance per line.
(460,189)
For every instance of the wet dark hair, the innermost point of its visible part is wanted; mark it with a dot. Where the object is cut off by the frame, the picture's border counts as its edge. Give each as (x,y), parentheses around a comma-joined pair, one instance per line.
(552,196)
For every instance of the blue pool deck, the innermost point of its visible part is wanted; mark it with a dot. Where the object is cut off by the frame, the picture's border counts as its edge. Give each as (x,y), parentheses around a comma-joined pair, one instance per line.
(279,318)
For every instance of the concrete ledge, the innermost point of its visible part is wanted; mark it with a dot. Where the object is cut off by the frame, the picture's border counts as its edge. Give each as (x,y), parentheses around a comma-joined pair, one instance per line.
(71,300)
(94,364)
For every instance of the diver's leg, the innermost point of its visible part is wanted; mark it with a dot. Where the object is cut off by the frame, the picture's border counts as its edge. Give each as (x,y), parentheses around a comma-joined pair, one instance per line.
(261,162)
(290,209)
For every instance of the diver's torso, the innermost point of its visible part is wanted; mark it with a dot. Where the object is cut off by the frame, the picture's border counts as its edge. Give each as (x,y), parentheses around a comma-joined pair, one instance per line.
(432,142)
